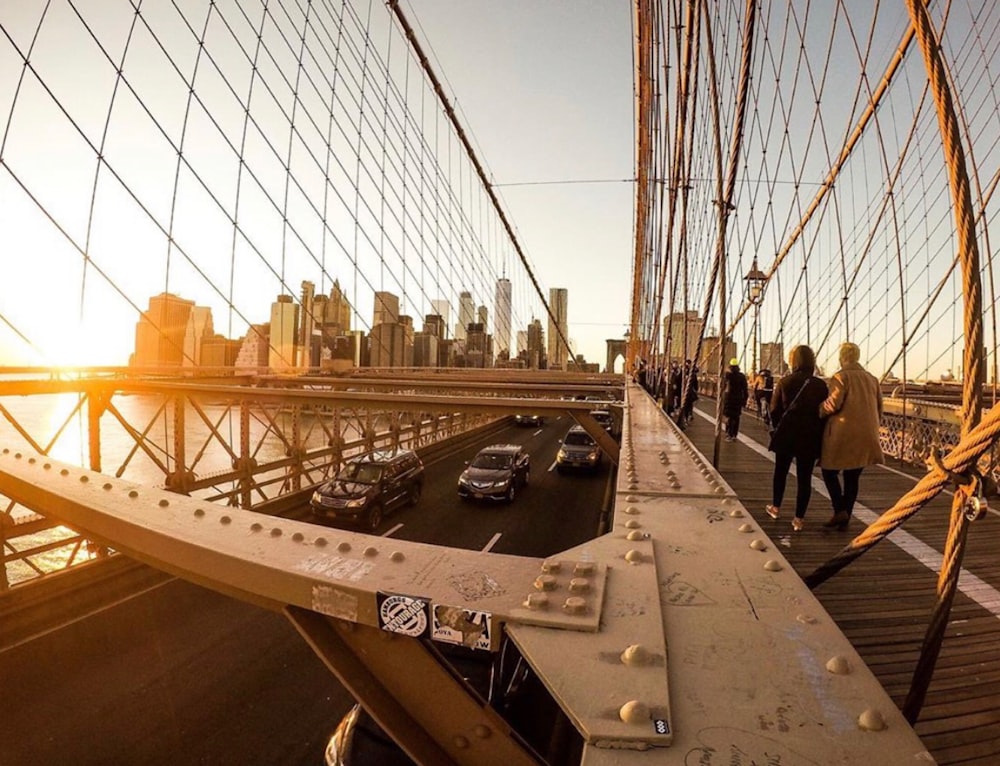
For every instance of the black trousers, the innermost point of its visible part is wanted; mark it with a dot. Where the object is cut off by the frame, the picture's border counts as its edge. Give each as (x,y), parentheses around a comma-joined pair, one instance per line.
(843,498)
(803,470)
(733,424)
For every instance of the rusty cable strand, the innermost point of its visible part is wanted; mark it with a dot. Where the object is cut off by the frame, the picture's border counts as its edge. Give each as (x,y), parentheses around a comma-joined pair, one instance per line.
(963,457)
(972,381)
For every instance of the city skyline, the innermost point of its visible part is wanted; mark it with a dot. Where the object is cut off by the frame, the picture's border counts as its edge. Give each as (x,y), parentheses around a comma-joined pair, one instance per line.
(304,333)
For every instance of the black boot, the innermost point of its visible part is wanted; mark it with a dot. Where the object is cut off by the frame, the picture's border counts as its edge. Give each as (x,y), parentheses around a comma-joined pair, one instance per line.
(839,521)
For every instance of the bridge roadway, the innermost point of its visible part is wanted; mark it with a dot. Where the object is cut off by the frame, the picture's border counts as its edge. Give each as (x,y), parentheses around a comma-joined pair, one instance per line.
(883,601)
(178,674)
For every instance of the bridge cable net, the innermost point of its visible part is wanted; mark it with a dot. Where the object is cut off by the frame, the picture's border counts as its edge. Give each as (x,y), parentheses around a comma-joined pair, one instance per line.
(228,155)
(866,172)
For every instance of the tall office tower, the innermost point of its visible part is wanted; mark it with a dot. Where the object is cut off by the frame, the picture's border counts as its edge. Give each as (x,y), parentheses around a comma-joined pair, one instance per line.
(387,345)
(199,328)
(306,327)
(425,349)
(536,345)
(441,307)
(338,310)
(681,329)
(501,324)
(434,324)
(558,354)
(386,309)
(466,315)
(406,322)
(160,331)
(284,332)
(522,341)
(483,317)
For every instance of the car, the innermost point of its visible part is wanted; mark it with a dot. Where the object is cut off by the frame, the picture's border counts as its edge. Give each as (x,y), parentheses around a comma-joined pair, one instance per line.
(604,418)
(524,419)
(370,486)
(578,451)
(495,473)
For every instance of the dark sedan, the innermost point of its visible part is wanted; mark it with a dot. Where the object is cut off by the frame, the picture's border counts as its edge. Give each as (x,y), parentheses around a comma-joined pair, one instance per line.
(495,473)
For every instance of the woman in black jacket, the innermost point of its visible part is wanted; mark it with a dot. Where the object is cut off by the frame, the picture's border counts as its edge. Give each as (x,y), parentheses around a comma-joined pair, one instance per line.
(798,431)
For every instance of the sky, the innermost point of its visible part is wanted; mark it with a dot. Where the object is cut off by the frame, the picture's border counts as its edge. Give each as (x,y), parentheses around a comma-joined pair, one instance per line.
(545,89)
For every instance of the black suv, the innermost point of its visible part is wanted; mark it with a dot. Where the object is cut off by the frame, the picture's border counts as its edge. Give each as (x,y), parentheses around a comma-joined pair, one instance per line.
(495,473)
(369,486)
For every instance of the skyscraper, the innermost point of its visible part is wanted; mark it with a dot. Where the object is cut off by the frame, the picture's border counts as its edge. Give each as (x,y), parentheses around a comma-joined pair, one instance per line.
(466,314)
(558,330)
(386,309)
(199,328)
(306,327)
(441,307)
(160,331)
(536,344)
(284,332)
(338,311)
(501,323)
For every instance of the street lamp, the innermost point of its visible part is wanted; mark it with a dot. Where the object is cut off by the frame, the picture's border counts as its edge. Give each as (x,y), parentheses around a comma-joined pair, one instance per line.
(756,279)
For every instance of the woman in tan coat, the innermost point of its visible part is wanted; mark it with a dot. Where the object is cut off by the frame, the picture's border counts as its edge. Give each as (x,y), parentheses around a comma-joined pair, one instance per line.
(853,411)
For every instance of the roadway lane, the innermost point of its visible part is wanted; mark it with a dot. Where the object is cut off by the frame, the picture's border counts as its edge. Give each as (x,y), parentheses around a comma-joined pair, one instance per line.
(552,513)
(181,675)
(176,675)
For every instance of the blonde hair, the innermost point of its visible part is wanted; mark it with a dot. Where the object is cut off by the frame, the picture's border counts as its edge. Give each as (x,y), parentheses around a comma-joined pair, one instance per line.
(850,353)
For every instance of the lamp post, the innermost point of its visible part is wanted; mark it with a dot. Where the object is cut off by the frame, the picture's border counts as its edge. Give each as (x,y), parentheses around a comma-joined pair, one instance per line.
(756,279)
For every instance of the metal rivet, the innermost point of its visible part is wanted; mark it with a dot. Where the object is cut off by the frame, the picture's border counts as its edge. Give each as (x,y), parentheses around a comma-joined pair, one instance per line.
(772,566)
(632,524)
(461,742)
(321,542)
(536,601)
(584,568)
(575,605)
(634,557)
(634,712)
(275,532)
(482,731)
(199,512)
(636,534)
(255,527)
(106,485)
(871,720)
(838,665)
(636,655)
(18,456)
(47,466)
(758,545)
(579,584)
(344,547)
(31,460)
(133,494)
(371,551)
(551,567)
(63,472)
(225,520)
(298,537)
(164,503)
(396,556)
(545,582)
(632,510)
(84,479)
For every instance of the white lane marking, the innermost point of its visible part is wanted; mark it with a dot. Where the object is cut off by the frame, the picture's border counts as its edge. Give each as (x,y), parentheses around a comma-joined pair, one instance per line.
(552,467)
(981,592)
(388,532)
(493,541)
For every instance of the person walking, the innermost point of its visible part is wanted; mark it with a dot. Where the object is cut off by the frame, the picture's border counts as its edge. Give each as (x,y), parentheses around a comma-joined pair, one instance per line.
(737,391)
(798,431)
(690,394)
(853,411)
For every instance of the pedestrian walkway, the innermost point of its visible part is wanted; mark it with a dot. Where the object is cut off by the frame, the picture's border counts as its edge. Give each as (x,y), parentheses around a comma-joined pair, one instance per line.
(883,601)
